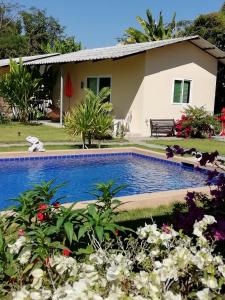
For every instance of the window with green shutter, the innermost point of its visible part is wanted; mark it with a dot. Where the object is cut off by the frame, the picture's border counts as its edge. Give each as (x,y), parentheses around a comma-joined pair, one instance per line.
(181,92)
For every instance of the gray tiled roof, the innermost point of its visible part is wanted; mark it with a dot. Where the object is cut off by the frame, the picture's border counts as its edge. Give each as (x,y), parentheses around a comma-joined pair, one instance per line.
(5,62)
(120,51)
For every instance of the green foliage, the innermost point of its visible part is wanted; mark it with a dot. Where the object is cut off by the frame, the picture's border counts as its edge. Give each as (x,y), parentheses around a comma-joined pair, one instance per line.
(91,118)
(44,228)
(199,120)
(65,46)
(30,32)
(212,28)
(18,88)
(151,30)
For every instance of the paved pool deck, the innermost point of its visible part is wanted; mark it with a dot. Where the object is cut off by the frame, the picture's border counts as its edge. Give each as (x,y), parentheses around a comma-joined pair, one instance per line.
(139,201)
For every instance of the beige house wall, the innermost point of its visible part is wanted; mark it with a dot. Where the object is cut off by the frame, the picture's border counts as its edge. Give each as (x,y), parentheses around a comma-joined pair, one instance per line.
(142,85)
(127,85)
(179,61)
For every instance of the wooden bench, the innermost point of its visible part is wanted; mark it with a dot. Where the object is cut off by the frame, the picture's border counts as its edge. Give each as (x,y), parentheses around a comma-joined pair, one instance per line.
(162,126)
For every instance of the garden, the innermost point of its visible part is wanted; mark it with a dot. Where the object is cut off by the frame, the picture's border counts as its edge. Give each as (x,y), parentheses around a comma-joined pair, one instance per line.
(49,251)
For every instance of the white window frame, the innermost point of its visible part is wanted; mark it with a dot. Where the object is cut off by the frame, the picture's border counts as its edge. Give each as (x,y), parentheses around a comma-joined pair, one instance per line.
(98,80)
(182,90)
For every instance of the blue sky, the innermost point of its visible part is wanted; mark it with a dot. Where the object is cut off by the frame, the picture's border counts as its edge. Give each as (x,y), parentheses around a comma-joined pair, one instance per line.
(98,23)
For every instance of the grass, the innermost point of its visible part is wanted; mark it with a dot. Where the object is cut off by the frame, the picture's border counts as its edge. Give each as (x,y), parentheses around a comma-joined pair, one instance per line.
(138,217)
(204,145)
(9,133)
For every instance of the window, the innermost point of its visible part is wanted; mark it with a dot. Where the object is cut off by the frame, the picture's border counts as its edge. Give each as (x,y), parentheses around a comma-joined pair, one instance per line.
(97,83)
(181,92)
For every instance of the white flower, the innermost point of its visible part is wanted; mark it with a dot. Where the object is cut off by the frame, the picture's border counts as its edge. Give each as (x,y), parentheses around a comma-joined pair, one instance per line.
(37,278)
(210,282)
(20,295)
(171,296)
(221,269)
(24,257)
(35,296)
(15,248)
(140,257)
(63,264)
(204,294)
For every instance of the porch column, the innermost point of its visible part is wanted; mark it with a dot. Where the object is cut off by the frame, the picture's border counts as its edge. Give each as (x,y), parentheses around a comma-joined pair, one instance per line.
(61,95)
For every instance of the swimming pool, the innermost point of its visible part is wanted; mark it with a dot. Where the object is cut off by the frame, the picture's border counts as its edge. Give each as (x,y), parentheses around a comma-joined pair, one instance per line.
(142,174)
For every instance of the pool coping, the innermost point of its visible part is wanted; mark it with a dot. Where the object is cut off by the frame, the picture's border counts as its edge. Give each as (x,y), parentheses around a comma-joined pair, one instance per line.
(137,201)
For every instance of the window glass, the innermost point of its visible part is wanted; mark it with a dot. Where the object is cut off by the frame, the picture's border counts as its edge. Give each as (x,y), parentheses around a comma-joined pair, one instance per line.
(186,91)
(104,82)
(177,91)
(92,84)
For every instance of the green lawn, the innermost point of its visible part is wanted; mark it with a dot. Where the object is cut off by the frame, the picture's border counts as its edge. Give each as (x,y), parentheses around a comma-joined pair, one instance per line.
(204,145)
(9,133)
(138,217)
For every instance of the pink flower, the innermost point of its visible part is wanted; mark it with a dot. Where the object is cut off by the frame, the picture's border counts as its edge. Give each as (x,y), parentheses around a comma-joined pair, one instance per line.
(21,232)
(219,236)
(166,228)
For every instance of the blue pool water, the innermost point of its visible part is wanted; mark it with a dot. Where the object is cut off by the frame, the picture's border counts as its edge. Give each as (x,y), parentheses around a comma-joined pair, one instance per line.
(140,173)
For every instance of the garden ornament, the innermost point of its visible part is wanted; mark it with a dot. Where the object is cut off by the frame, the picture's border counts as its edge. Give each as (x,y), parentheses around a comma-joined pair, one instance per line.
(36,145)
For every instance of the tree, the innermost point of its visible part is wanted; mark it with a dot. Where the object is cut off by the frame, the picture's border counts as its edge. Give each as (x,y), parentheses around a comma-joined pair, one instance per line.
(12,43)
(151,30)
(91,118)
(18,88)
(67,45)
(212,28)
(30,32)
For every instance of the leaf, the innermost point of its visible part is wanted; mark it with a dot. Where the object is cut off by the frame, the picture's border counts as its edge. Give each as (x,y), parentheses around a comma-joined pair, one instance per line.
(99,231)
(83,229)
(88,250)
(59,222)
(28,268)
(51,230)
(69,231)
(92,212)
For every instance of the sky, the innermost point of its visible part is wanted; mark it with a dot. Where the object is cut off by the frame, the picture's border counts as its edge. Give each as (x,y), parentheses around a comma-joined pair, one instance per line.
(98,23)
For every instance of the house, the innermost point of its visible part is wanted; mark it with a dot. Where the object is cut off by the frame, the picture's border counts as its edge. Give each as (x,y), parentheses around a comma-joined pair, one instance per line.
(148,80)
(4,68)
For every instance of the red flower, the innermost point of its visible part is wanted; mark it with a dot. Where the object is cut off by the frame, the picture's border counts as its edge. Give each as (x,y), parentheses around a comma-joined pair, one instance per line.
(21,232)
(56,205)
(41,216)
(67,252)
(117,232)
(42,206)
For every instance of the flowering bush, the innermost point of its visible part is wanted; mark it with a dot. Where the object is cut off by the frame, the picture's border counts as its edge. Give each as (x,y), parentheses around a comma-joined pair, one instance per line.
(182,127)
(198,204)
(38,228)
(155,264)
(196,122)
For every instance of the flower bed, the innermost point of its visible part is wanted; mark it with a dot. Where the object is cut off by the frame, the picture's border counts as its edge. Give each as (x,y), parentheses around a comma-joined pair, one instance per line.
(48,251)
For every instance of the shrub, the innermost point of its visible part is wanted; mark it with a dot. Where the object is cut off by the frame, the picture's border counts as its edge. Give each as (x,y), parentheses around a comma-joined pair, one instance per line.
(196,122)
(18,88)
(155,264)
(91,118)
(198,204)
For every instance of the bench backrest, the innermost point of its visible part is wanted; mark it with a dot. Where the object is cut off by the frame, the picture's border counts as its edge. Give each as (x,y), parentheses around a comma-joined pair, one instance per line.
(162,122)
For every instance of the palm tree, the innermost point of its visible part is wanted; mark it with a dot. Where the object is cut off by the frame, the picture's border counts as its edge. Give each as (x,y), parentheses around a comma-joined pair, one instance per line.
(151,30)
(91,118)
